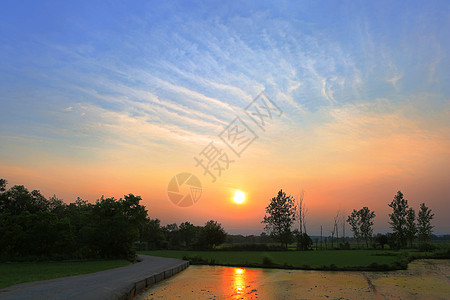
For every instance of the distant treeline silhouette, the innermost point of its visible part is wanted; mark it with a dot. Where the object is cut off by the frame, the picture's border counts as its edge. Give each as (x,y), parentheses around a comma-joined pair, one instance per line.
(35,228)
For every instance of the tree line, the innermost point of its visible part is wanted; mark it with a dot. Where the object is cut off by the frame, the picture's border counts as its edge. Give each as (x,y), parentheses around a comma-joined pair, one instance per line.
(34,227)
(183,236)
(407,227)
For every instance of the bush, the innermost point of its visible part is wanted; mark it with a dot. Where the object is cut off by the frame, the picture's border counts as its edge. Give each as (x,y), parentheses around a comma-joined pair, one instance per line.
(195,260)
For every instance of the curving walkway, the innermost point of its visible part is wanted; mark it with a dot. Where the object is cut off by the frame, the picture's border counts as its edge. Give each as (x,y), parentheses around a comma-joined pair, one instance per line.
(120,283)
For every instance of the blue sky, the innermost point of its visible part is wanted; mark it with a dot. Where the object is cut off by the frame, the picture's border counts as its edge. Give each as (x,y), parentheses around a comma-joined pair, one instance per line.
(94,83)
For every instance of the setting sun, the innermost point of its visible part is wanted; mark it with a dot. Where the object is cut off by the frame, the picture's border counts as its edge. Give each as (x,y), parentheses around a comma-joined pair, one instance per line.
(239,197)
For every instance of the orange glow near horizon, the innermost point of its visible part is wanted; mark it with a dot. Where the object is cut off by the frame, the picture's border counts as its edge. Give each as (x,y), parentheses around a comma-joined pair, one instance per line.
(340,168)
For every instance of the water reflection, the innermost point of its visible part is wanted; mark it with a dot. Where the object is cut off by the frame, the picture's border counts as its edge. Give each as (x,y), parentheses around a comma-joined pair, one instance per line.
(239,280)
(238,283)
(420,281)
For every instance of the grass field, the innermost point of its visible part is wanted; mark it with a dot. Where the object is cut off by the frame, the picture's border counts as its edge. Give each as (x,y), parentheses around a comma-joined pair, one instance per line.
(296,259)
(319,260)
(15,273)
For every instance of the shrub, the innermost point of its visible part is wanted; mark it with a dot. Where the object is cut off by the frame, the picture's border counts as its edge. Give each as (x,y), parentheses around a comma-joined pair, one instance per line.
(194,260)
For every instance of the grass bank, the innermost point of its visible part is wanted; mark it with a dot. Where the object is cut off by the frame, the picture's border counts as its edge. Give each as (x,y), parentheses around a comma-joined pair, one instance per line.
(345,260)
(15,273)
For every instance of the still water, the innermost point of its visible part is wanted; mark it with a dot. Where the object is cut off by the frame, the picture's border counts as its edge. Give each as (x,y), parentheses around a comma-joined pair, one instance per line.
(424,279)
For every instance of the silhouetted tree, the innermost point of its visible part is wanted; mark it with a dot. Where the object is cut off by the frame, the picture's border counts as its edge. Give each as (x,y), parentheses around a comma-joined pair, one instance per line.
(152,234)
(304,241)
(281,215)
(361,223)
(188,234)
(398,221)
(115,227)
(366,224)
(354,221)
(35,227)
(18,199)
(212,234)
(172,235)
(424,226)
(3,183)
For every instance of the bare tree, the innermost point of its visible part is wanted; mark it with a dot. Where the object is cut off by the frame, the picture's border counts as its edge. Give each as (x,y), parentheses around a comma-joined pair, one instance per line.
(335,231)
(336,222)
(301,212)
(343,227)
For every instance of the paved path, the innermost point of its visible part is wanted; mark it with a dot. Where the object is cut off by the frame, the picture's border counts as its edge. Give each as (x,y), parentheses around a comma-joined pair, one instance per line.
(120,283)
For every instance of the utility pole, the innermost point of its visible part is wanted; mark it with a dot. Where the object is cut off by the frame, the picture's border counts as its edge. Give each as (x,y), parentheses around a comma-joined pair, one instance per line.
(343,230)
(320,237)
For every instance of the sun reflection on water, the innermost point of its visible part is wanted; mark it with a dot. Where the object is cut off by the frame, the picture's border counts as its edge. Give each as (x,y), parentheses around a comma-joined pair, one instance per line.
(239,280)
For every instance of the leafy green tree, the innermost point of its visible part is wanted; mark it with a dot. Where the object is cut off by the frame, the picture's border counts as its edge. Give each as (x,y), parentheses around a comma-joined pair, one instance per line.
(281,213)
(188,234)
(115,227)
(32,226)
(304,241)
(398,221)
(18,199)
(354,220)
(424,226)
(3,183)
(152,234)
(361,223)
(132,210)
(366,224)
(172,235)
(212,234)
(411,228)
(56,205)
(80,217)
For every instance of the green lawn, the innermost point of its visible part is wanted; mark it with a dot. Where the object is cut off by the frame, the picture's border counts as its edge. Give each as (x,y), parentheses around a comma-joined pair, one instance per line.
(15,273)
(326,259)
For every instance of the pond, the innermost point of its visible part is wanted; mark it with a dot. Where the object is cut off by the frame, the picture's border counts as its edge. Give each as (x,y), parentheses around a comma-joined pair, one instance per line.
(428,279)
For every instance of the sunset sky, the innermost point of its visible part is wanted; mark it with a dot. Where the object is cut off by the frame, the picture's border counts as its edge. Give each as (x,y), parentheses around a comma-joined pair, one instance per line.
(117,98)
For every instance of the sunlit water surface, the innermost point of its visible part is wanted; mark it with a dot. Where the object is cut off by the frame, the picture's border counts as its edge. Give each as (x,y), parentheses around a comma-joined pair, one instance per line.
(424,279)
